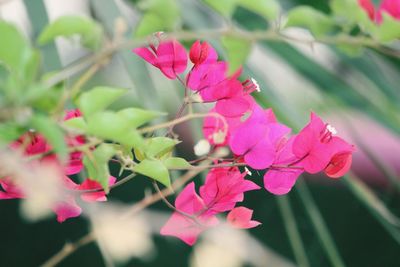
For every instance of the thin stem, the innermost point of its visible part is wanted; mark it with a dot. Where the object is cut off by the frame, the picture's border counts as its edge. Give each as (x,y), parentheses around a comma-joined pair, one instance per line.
(183,119)
(269,35)
(169,204)
(67,250)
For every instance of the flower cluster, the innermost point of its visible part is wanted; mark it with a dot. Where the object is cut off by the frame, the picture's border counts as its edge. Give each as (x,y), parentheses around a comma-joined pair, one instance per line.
(254,136)
(34,144)
(390,7)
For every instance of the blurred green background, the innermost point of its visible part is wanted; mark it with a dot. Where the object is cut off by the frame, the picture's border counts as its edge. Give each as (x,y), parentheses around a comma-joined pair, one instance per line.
(358,213)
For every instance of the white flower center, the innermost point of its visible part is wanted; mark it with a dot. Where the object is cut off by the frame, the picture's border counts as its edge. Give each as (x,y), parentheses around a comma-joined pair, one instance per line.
(331,129)
(256,84)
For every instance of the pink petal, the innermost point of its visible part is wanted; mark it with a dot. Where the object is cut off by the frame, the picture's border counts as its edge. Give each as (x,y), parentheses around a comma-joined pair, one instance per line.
(224,187)
(185,228)
(261,155)
(280,181)
(165,59)
(240,217)
(146,54)
(11,190)
(94,196)
(232,107)
(188,201)
(67,209)
(180,58)
(339,165)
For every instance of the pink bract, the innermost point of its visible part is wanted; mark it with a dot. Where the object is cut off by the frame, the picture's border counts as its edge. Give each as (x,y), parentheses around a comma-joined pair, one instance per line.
(224,187)
(257,138)
(316,144)
(183,227)
(240,217)
(170,57)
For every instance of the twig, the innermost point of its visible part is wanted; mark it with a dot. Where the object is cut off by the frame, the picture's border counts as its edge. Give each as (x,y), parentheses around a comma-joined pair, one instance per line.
(67,250)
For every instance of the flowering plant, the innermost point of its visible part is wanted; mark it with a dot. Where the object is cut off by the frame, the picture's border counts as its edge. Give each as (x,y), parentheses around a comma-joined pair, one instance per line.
(62,146)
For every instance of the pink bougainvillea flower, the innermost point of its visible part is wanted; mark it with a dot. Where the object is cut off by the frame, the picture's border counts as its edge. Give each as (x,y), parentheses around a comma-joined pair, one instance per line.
(10,189)
(257,138)
(368,7)
(281,177)
(170,57)
(391,7)
(316,144)
(186,228)
(224,187)
(68,208)
(202,53)
(240,217)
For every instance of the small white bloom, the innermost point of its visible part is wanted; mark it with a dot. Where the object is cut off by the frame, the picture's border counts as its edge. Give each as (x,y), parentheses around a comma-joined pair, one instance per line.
(202,148)
(248,172)
(258,89)
(331,129)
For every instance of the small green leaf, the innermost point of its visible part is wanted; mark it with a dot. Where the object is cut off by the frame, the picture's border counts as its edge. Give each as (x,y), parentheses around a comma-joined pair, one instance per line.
(53,134)
(159,15)
(137,117)
(224,7)
(315,21)
(176,163)
(109,125)
(154,169)
(98,99)
(268,9)
(90,31)
(158,146)
(97,164)
(237,50)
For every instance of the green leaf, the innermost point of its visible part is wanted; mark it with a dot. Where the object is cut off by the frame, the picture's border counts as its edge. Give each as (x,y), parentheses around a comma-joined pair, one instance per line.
(389,29)
(237,50)
(90,31)
(53,134)
(109,125)
(268,9)
(176,163)
(97,164)
(17,55)
(224,7)
(98,99)
(154,169)
(158,146)
(9,131)
(137,117)
(304,16)
(76,124)
(159,15)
